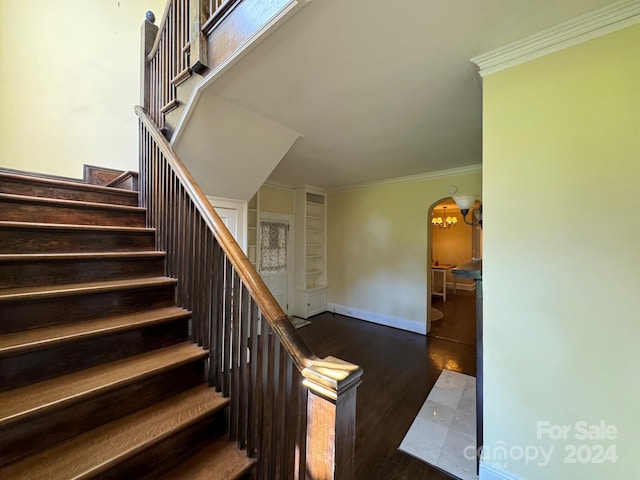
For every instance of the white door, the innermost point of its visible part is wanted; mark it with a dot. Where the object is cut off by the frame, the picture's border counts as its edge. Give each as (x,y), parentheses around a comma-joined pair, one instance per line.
(275,259)
(229,217)
(234,215)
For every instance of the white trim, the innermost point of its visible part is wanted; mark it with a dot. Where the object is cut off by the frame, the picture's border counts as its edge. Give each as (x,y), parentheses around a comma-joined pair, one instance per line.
(281,17)
(282,185)
(594,24)
(490,473)
(380,318)
(413,178)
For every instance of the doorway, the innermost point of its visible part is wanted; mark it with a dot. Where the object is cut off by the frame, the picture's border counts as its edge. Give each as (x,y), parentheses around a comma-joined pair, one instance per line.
(452,243)
(233,214)
(275,257)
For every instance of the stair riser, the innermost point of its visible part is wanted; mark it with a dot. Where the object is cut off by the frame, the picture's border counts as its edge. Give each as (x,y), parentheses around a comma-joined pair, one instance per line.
(55,272)
(35,313)
(19,240)
(170,452)
(30,367)
(39,432)
(17,211)
(38,189)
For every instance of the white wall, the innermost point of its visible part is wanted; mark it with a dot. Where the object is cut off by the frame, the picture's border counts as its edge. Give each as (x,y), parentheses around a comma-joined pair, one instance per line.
(69,79)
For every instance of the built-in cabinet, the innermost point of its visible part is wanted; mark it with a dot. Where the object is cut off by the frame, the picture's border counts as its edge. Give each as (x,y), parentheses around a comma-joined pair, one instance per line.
(311,248)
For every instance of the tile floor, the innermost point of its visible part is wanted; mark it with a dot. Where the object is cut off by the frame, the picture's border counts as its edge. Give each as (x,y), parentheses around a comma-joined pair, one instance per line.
(446,426)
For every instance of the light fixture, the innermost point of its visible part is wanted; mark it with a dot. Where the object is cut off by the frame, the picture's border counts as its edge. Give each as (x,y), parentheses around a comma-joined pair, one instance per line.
(445,223)
(465,202)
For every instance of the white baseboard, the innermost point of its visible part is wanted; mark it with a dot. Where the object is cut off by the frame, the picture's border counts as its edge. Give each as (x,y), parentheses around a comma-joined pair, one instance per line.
(490,473)
(379,318)
(469,287)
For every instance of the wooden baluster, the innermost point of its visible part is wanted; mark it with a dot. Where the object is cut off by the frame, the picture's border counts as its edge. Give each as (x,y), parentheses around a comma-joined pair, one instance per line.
(274,369)
(226,322)
(205,295)
(154,188)
(185,33)
(188,255)
(161,218)
(253,390)
(182,254)
(281,416)
(244,368)
(216,302)
(288,412)
(236,358)
(169,267)
(264,398)
(301,431)
(195,261)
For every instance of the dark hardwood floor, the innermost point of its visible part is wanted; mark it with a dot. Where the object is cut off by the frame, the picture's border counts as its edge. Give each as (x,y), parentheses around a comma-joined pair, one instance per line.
(400,369)
(458,324)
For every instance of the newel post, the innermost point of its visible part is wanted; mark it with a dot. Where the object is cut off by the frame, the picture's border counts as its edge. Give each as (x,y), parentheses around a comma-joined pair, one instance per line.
(198,41)
(331,419)
(148,36)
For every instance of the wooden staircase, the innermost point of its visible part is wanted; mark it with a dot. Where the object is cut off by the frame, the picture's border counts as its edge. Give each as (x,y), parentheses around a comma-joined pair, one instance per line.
(98,378)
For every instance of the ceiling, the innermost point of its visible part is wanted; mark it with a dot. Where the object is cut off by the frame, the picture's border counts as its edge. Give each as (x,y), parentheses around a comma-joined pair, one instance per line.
(379,89)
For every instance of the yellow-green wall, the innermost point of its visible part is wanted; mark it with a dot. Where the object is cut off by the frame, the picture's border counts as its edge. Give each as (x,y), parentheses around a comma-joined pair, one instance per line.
(69,79)
(277,199)
(561,257)
(377,245)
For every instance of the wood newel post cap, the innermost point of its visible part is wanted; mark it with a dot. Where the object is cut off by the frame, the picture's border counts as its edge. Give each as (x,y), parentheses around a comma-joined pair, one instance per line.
(150,17)
(331,377)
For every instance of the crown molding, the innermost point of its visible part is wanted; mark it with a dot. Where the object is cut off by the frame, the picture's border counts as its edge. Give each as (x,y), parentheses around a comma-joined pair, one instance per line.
(475,168)
(594,24)
(277,184)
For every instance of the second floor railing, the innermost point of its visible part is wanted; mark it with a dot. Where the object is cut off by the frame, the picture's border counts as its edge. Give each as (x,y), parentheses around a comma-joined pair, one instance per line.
(166,63)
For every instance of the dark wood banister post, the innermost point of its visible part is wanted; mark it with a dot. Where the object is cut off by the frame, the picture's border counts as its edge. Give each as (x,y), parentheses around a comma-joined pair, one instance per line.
(331,418)
(148,36)
(198,45)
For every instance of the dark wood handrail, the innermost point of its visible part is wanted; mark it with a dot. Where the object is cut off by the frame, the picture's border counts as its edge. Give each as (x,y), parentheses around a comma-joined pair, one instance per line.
(161,27)
(277,318)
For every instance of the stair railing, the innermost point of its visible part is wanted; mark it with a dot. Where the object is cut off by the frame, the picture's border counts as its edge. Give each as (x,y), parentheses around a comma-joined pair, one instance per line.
(291,409)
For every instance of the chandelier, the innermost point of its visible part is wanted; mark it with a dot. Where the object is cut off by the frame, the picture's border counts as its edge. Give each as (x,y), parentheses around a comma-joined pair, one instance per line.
(444,222)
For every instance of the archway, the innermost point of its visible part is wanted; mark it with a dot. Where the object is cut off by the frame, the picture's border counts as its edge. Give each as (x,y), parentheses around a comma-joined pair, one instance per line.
(450,242)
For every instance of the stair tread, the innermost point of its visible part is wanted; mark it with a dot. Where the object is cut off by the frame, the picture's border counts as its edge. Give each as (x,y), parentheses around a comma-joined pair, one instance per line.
(71,226)
(98,450)
(77,185)
(221,460)
(48,291)
(69,203)
(28,340)
(56,392)
(18,257)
